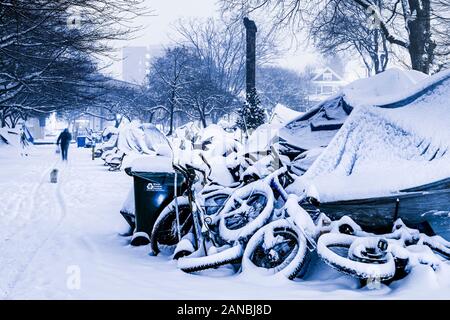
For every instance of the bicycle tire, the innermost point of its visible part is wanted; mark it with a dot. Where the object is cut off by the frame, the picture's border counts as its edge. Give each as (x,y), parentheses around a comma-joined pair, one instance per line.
(192,264)
(289,243)
(164,231)
(362,270)
(250,223)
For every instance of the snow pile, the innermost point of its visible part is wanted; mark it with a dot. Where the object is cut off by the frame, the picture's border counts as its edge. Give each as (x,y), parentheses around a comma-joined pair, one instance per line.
(129,205)
(386,85)
(140,138)
(109,131)
(303,161)
(282,114)
(10,137)
(318,126)
(262,138)
(267,135)
(187,131)
(216,142)
(131,138)
(381,150)
(151,163)
(109,136)
(153,138)
(216,167)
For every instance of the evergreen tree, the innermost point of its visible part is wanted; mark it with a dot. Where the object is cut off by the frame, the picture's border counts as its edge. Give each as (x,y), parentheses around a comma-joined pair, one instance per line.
(251,114)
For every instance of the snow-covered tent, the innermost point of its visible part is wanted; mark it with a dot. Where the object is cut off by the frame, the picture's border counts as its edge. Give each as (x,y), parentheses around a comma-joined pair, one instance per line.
(140,138)
(383,148)
(153,138)
(282,114)
(319,125)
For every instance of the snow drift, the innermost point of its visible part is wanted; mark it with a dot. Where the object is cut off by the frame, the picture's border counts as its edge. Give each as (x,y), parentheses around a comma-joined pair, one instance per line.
(140,138)
(386,148)
(318,126)
(10,137)
(282,114)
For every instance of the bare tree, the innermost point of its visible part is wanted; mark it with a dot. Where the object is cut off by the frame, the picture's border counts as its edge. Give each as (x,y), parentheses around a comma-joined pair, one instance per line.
(48,50)
(279,85)
(167,79)
(348,30)
(413,25)
(204,97)
(221,46)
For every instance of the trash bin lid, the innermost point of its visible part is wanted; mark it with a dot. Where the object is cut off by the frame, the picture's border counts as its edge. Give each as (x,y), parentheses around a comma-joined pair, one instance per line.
(152,164)
(166,177)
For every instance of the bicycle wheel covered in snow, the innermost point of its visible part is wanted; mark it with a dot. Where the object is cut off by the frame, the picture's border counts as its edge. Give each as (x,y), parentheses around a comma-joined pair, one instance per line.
(363,258)
(215,201)
(248,209)
(196,262)
(277,248)
(165,231)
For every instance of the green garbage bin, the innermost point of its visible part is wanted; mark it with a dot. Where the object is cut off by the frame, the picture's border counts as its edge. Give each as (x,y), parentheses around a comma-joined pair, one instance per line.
(153,191)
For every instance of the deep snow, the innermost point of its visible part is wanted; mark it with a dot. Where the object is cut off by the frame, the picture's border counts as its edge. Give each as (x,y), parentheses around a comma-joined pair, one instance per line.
(398,148)
(49,233)
(319,125)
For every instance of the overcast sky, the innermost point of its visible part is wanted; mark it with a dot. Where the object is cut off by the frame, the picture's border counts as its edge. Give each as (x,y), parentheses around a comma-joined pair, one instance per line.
(157,30)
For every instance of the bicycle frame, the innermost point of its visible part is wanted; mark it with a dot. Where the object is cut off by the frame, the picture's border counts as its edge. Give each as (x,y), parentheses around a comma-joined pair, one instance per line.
(201,221)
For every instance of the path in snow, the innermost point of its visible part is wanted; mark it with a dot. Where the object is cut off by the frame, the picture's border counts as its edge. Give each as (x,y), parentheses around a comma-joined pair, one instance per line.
(49,233)
(34,212)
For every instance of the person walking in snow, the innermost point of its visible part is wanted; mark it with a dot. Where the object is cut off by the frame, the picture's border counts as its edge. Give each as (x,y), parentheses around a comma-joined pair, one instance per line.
(23,142)
(64,141)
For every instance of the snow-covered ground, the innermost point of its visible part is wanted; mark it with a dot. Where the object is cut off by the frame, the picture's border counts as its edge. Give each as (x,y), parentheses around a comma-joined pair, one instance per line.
(52,233)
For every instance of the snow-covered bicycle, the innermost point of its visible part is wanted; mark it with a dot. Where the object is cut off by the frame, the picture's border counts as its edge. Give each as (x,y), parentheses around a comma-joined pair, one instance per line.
(194,217)
(226,232)
(381,257)
(178,228)
(284,245)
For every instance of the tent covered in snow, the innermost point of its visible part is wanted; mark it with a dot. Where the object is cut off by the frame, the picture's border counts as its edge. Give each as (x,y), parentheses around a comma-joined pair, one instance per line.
(397,152)
(140,138)
(318,126)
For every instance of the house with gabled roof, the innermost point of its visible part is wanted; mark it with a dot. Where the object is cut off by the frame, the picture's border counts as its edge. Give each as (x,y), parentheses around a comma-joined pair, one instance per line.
(324,84)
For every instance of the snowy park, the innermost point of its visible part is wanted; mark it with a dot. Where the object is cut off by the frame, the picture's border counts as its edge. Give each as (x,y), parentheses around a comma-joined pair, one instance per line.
(159,153)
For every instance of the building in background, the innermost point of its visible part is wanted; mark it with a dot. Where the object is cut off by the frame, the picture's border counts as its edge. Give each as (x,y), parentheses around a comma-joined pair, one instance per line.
(136,62)
(324,84)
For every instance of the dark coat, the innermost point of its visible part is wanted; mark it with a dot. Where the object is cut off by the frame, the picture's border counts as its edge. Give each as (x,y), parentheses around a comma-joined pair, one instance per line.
(64,138)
